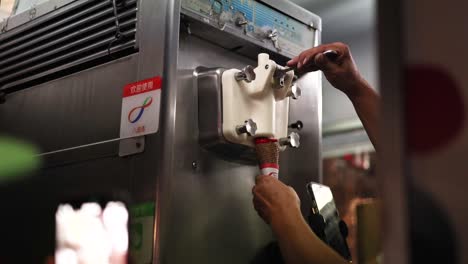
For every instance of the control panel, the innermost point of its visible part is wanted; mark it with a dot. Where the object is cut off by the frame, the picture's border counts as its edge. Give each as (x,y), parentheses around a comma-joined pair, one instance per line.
(254,21)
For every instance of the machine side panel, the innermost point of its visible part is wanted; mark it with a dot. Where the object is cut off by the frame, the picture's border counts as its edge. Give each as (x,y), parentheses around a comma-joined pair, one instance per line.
(80,109)
(85,108)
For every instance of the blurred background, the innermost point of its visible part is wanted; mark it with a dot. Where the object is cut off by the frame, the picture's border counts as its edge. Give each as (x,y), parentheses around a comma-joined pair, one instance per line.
(354,23)
(349,160)
(6,6)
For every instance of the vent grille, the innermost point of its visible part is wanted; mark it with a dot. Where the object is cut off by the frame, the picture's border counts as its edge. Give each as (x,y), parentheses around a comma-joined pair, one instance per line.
(81,37)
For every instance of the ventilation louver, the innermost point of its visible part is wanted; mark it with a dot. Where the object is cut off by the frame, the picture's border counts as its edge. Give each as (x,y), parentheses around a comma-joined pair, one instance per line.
(81,37)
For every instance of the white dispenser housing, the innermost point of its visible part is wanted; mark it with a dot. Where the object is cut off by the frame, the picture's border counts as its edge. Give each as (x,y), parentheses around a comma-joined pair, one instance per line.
(236,106)
(263,100)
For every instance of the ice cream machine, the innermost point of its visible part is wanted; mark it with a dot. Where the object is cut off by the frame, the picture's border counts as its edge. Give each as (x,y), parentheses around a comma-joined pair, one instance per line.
(218,82)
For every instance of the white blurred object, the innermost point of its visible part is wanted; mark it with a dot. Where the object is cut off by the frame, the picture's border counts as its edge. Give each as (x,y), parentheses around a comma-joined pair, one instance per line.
(92,209)
(66,256)
(115,219)
(6,8)
(91,235)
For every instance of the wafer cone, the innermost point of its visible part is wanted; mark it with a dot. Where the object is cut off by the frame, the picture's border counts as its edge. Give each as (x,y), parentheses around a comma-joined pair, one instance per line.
(268,156)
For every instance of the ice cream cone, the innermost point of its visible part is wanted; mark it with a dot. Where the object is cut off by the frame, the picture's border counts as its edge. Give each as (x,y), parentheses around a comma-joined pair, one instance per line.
(268,156)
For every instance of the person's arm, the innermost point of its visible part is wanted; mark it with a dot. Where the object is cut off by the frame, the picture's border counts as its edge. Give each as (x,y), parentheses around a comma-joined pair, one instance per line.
(343,74)
(279,206)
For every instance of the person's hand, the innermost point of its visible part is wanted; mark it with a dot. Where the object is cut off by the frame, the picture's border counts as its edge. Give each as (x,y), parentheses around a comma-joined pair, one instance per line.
(274,201)
(341,72)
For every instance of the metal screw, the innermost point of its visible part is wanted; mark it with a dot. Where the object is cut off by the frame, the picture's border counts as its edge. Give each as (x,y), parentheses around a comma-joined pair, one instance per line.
(194,165)
(282,80)
(298,125)
(249,128)
(293,140)
(267,67)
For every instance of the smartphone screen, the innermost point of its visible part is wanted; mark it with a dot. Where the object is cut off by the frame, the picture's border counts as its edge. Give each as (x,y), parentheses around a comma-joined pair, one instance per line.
(325,219)
(91,233)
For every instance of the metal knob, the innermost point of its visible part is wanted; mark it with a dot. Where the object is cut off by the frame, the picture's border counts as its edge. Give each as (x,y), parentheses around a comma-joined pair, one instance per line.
(296,92)
(247,74)
(249,128)
(241,22)
(273,36)
(298,125)
(293,140)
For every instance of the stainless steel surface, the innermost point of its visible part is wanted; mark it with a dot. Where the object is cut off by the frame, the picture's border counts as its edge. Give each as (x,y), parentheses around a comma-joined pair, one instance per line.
(2,97)
(394,161)
(209,96)
(55,152)
(204,211)
(217,174)
(131,146)
(62,119)
(223,218)
(164,224)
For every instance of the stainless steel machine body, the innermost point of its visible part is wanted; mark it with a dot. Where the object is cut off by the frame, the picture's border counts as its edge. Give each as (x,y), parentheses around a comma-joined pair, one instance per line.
(71,110)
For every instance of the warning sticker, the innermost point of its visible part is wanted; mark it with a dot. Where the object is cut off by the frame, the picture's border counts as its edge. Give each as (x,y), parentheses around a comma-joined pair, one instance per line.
(140,108)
